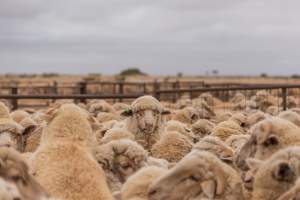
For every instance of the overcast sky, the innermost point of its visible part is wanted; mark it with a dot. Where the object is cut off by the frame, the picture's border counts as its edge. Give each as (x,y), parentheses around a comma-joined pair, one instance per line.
(158,36)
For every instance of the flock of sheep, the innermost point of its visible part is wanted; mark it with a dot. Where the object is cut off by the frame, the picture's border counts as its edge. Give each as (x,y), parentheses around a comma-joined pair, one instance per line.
(151,150)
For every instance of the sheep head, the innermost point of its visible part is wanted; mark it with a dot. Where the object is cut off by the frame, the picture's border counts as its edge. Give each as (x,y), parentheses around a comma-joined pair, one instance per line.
(147,112)
(122,157)
(198,175)
(277,175)
(267,137)
(11,134)
(15,171)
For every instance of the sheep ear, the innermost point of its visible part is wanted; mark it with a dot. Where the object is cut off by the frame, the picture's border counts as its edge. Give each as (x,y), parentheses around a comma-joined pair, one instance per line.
(253,163)
(127,112)
(209,188)
(166,112)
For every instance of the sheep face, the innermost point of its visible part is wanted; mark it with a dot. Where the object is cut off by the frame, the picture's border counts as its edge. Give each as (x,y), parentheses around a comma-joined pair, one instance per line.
(198,175)
(277,174)
(15,171)
(8,139)
(147,120)
(267,137)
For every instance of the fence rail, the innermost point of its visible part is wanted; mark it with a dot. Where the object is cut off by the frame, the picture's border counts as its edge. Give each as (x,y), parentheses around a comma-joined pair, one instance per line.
(157,92)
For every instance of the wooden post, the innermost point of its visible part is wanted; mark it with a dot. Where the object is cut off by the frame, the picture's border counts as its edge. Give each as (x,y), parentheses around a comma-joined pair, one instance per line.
(121,90)
(14,102)
(156,90)
(284,98)
(83,90)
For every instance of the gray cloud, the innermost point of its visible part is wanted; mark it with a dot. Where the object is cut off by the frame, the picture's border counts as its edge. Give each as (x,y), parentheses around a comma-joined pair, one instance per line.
(161,37)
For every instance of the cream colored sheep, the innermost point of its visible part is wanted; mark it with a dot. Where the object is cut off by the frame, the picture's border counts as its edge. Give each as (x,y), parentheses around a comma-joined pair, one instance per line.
(182,103)
(116,134)
(217,147)
(120,159)
(255,117)
(223,116)
(238,97)
(4,111)
(19,115)
(14,170)
(273,110)
(172,147)
(267,137)
(63,163)
(188,115)
(100,106)
(105,117)
(11,134)
(145,120)
(205,111)
(199,175)
(137,186)
(290,116)
(208,98)
(180,127)
(202,128)
(237,141)
(227,128)
(276,175)
(121,106)
(245,105)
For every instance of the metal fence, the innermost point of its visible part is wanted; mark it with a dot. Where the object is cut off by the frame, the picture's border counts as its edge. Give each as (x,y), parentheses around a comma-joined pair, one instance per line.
(168,93)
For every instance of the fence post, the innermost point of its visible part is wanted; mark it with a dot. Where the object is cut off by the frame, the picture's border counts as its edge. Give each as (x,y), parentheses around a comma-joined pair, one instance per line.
(82,90)
(14,101)
(144,88)
(284,98)
(156,90)
(121,89)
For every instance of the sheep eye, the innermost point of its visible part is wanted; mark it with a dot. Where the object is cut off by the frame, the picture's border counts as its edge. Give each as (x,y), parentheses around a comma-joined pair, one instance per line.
(272,141)
(195,178)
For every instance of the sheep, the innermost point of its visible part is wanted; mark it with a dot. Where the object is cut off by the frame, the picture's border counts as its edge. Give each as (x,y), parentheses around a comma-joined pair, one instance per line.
(276,175)
(273,110)
(238,97)
(290,116)
(105,117)
(205,111)
(145,120)
(183,103)
(217,147)
(202,128)
(120,106)
(100,106)
(296,110)
(14,170)
(267,137)
(245,105)
(291,102)
(255,117)
(31,135)
(120,159)
(239,118)
(188,115)
(11,134)
(208,98)
(264,99)
(63,163)
(223,116)
(116,134)
(227,128)
(180,127)
(157,162)
(237,141)
(19,115)
(137,186)
(199,175)
(172,147)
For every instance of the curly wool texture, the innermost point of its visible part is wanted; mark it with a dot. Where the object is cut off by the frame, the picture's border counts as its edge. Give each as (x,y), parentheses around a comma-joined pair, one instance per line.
(119,160)
(277,174)
(202,128)
(146,103)
(188,115)
(105,117)
(100,106)
(180,127)
(237,141)
(116,134)
(137,186)
(34,138)
(227,128)
(290,116)
(63,163)
(19,115)
(172,147)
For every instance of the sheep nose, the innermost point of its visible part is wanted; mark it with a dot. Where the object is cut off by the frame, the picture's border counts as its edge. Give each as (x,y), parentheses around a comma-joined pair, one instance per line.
(284,172)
